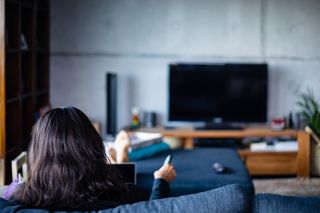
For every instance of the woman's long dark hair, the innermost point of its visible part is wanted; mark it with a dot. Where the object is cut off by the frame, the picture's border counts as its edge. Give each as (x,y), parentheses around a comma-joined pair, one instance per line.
(67,163)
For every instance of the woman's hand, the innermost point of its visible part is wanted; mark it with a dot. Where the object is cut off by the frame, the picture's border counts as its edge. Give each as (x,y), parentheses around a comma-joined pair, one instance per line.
(166,172)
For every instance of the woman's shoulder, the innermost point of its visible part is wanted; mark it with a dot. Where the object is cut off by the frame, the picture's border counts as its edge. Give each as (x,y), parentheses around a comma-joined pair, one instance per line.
(9,191)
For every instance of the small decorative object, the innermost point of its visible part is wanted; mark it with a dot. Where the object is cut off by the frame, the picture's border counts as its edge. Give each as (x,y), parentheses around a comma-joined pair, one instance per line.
(295,120)
(310,109)
(135,122)
(149,119)
(290,121)
(23,42)
(278,123)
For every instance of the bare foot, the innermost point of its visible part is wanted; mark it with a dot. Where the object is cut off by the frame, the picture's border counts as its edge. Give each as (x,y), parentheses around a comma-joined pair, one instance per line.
(121,145)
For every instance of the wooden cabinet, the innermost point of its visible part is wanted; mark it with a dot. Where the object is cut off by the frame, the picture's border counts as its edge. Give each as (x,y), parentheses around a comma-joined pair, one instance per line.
(24,73)
(270,162)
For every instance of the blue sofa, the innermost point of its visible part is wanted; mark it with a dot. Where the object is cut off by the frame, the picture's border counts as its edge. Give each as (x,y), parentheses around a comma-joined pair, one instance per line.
(265,203)
(226,199)
(219,193)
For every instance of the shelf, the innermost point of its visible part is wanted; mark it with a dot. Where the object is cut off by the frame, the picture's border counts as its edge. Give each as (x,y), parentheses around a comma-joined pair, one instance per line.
(42,92)
(26,72)
(269,163)
(11,100)
(27,95)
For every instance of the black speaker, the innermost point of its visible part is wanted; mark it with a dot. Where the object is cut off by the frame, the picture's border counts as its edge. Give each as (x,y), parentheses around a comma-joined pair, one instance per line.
(111,97)
(149,119)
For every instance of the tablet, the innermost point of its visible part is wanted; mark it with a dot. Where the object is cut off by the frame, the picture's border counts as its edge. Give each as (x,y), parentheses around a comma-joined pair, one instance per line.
(128,172)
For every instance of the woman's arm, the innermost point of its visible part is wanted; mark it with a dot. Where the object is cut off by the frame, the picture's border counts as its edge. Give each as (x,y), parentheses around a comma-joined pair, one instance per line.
(160,189)
(162,178)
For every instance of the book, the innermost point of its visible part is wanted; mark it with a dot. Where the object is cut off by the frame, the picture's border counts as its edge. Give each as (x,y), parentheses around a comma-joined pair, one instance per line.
(279,146)
(287,146)
(261,146)
(143,139)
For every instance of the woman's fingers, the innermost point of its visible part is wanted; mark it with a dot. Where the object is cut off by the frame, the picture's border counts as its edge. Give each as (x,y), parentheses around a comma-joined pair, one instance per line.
(166,172)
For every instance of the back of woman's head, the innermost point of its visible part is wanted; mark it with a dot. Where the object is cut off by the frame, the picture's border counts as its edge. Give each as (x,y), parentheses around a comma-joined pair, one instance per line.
(67,163)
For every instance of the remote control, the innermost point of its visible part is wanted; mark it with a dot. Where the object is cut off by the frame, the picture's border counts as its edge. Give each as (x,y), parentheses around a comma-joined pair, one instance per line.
(167,160)
(218,168)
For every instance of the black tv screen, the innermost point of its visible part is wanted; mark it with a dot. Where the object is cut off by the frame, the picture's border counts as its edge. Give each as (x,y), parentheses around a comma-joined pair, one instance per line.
(228,92)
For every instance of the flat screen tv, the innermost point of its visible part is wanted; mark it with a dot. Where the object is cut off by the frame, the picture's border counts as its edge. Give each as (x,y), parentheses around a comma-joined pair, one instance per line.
(224,92)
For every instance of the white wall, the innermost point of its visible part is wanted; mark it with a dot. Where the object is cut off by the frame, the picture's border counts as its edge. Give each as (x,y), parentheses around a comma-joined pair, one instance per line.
(139,38)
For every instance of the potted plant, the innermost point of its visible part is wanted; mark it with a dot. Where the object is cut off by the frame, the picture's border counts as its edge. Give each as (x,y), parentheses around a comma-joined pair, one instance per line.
(310,110)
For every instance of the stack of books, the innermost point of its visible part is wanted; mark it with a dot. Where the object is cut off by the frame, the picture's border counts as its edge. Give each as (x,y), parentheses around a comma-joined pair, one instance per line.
(143,139)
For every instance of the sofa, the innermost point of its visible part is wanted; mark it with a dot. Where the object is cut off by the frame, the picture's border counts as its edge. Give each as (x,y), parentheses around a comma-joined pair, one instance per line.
(226,199)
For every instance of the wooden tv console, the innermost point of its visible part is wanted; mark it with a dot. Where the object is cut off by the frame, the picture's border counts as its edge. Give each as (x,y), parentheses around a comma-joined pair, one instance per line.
(258,163)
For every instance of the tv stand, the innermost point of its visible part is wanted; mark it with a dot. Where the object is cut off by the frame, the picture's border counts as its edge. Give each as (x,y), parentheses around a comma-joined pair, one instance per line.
(258,163)
(219,126)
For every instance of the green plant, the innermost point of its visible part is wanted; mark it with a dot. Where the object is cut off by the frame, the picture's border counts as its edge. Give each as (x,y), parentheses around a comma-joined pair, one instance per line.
(310,110)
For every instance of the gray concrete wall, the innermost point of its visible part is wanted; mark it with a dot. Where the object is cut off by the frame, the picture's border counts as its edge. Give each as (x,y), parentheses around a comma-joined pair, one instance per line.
(137,39)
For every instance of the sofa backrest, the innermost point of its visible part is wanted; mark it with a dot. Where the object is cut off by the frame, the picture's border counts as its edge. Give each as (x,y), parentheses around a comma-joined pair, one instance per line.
(227,199)
(266,203)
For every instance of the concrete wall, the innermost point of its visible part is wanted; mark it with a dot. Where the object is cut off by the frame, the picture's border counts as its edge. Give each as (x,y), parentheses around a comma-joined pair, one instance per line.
(139,38)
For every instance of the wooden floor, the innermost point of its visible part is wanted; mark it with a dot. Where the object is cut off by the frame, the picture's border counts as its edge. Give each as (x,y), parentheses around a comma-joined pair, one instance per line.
(288,186)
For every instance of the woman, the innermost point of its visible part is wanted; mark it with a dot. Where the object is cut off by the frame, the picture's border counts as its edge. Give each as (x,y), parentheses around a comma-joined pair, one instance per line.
(69,170)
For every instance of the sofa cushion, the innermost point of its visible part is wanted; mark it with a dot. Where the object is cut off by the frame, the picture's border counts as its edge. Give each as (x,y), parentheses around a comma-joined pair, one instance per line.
(148,151)
(264,203)
(231,198)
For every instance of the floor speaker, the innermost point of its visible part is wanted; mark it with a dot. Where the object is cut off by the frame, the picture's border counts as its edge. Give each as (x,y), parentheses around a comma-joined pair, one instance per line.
(111,97)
